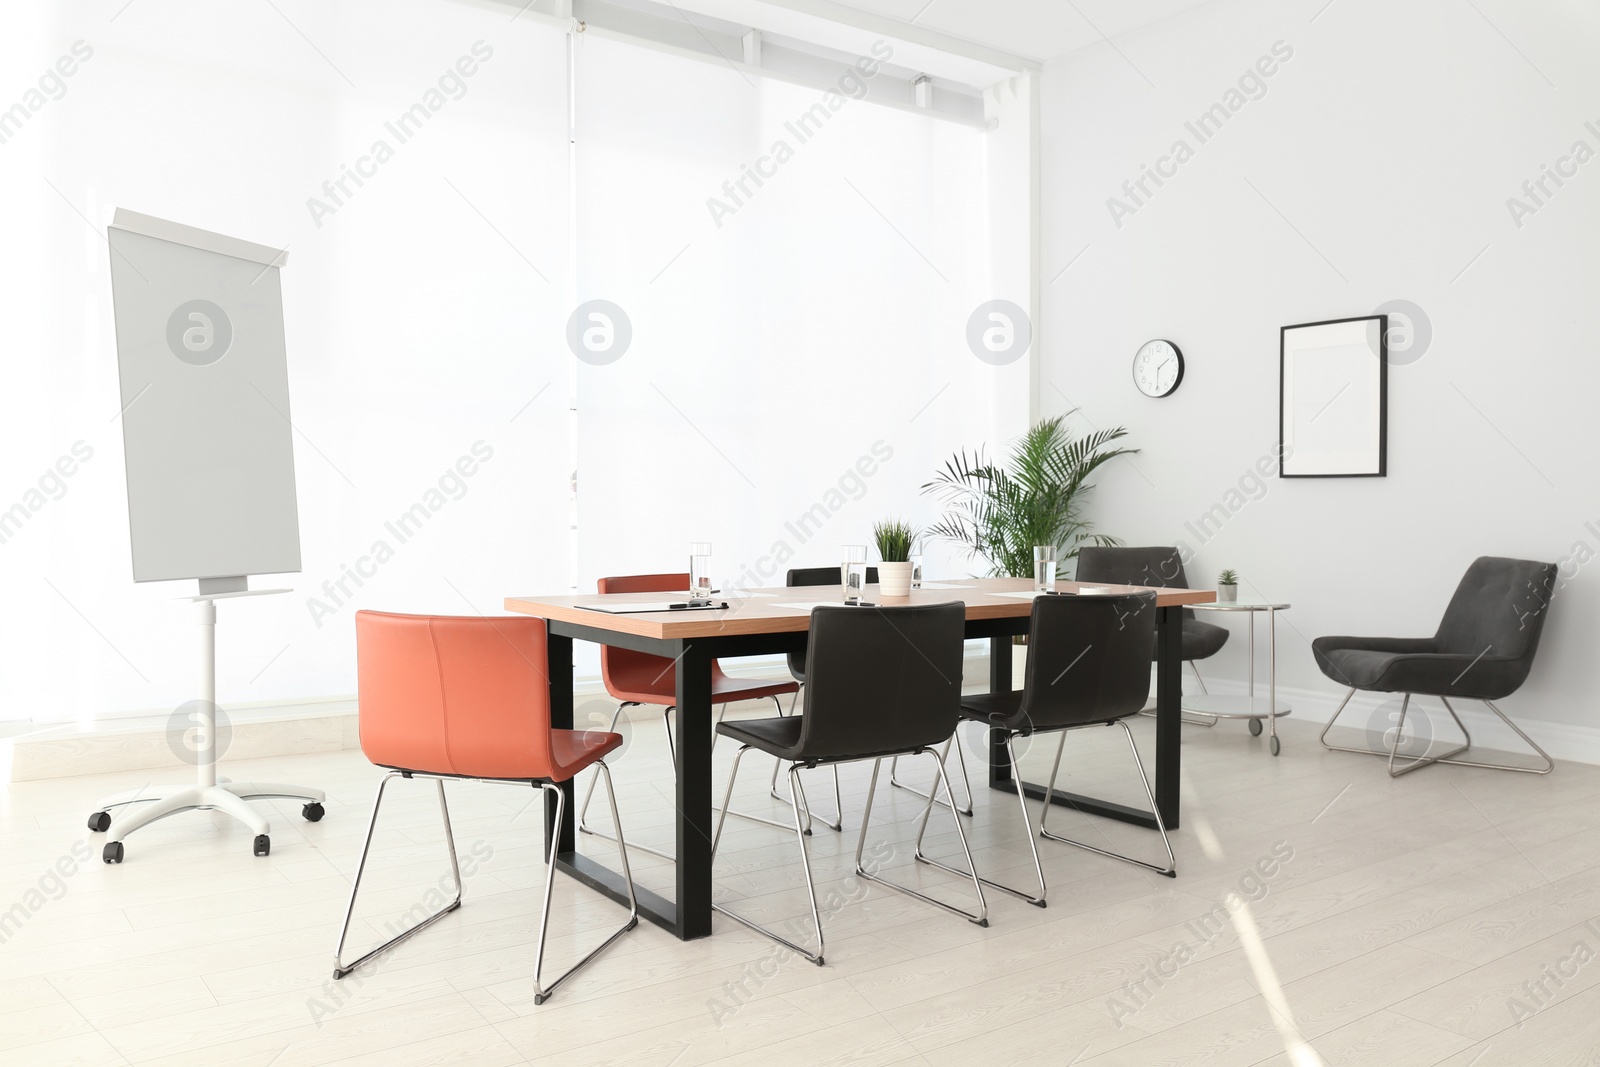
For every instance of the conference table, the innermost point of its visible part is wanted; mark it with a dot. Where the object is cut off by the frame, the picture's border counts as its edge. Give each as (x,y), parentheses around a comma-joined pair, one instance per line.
(764,622)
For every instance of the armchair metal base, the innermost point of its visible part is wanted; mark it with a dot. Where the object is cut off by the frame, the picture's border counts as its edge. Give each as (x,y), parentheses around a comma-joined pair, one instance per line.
(980,916)
(542,992)
(1407,764)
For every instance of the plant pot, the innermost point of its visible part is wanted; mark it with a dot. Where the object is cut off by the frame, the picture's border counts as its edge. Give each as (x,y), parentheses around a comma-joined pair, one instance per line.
(894,579)
(1228,594)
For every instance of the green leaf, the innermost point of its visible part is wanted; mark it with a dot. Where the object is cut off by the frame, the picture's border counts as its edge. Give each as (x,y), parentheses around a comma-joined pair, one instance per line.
(998,513)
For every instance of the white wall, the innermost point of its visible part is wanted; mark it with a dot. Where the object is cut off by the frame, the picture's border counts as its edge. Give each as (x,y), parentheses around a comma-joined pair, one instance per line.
(1375,165)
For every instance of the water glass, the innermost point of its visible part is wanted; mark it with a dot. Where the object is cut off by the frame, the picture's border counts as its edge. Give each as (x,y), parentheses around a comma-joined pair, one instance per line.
(853,572)
(700,570)
(1044,568)
(915,559)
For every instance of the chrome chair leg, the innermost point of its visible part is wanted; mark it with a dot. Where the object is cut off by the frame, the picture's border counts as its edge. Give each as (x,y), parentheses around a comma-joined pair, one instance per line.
(1170,870)
(981,916)
(1323,737)
(541,992)
(966,779)
(1027,821)
(1199,718)
(805,863)
(1193,718)
(588,795)
(340,969)
(838,807)
(773,788)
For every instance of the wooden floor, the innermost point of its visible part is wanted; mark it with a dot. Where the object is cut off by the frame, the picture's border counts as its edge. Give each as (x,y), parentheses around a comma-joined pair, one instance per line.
(1323,914)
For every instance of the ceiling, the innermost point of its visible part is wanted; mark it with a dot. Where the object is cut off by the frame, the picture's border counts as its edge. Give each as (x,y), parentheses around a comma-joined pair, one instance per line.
(1032,29)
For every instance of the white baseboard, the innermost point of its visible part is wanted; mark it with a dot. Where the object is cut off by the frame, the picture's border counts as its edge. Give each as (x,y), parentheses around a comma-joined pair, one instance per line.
(330,725)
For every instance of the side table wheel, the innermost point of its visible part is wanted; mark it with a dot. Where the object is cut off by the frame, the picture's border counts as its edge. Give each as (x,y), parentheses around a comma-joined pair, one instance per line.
(1275,745)
(1255,727)
(100,822)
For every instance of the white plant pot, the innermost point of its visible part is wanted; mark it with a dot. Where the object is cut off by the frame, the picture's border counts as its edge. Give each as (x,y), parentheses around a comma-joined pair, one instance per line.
(894,579)
(1228,594)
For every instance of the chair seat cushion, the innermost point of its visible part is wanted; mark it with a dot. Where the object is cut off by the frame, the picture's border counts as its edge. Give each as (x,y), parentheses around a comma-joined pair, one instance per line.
(778,736)
(1412,665)
(573,750)
(1005,711)
(1202,639)
(995,709)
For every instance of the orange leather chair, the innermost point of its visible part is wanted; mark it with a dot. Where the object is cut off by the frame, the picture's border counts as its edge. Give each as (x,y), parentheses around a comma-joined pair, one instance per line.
(468,698)
(636,678)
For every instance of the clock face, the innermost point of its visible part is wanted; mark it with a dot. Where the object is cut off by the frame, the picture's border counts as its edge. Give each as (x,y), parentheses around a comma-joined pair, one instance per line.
(1158,368)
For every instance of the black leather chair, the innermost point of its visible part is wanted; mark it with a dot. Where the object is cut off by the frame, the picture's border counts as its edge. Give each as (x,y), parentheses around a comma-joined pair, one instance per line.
(1157,567)
(879,682)
(1483,650)
(803,576)
(1088,665)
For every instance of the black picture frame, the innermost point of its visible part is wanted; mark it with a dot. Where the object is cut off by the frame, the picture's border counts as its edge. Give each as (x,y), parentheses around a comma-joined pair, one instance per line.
(1382,388)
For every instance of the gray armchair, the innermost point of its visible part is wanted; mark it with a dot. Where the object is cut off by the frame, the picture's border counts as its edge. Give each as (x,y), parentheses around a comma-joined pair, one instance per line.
(1483,650)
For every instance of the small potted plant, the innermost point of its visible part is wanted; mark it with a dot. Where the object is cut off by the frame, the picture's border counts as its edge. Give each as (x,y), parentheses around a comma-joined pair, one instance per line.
(894,540)
(1228,587)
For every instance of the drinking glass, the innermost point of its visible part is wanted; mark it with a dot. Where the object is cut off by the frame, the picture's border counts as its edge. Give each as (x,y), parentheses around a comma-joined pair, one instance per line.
(700,570)
(1044,568)
(916,566)
(853,572)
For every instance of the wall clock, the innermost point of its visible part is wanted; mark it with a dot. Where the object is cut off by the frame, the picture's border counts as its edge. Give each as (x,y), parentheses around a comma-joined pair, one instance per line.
(1158,368)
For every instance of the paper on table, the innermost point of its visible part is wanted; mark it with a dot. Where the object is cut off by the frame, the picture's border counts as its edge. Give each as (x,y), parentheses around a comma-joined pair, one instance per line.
(807,605)
(1086,590)
(639,607)
(732,594)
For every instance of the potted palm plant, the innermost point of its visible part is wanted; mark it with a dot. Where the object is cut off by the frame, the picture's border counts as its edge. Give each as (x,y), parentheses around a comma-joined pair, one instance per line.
(894,540)
(999,512)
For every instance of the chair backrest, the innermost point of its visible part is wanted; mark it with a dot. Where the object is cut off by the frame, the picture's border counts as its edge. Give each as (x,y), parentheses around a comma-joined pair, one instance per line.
(1498,609)
(800,576)
(1088,658)
(1155,566)
(882,680)
(450,695)
(623,669)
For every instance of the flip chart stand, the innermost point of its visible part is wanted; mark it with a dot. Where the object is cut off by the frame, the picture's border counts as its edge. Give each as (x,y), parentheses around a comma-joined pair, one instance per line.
(208,793)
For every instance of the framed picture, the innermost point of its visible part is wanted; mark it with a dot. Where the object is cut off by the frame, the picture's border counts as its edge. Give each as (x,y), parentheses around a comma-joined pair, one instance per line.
(1333,399)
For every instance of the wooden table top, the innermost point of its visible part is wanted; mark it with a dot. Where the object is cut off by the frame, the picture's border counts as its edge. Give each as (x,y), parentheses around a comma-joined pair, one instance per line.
(763,611)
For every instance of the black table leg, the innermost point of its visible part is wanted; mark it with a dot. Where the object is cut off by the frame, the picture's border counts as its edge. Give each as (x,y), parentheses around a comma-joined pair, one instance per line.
(999,682)
(559,666)
(694,791)
(689,916)
(1169,712)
